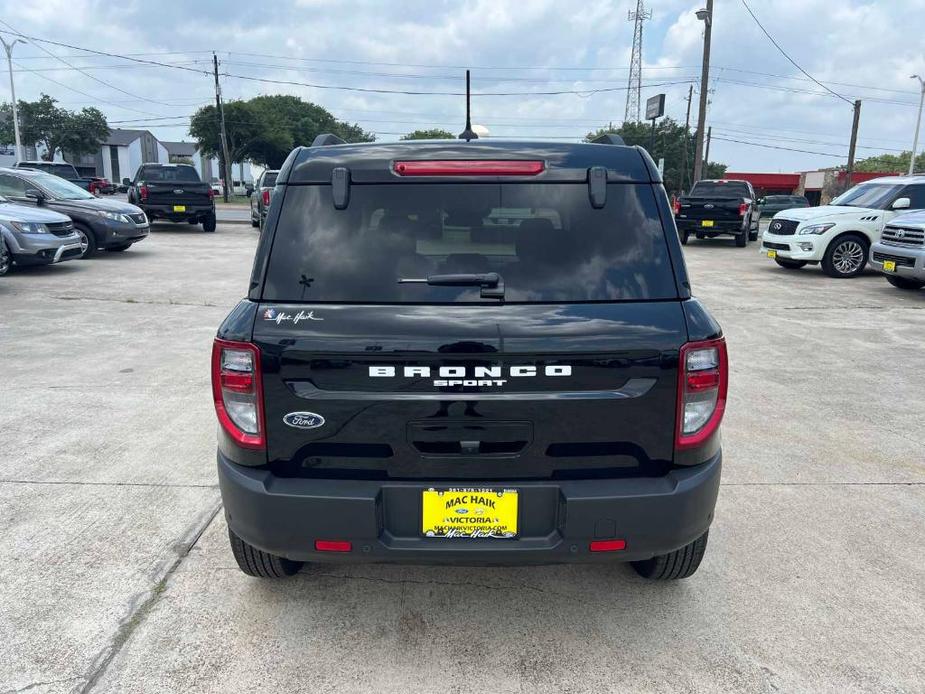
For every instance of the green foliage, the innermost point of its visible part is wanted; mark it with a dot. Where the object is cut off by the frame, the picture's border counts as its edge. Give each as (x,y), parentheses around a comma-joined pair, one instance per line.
(670,141)
(432,134)
(890,163)
(266,128)
(59,130)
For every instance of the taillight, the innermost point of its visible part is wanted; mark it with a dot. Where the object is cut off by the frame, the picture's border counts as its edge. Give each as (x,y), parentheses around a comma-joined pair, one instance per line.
(266,197)
(743,209)
(211,193)
(677,206)
(703,379)
(238,392)
(469,167)
(143,192)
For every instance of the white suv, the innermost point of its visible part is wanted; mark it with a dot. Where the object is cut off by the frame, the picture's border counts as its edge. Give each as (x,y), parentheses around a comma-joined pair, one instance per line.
(839,235)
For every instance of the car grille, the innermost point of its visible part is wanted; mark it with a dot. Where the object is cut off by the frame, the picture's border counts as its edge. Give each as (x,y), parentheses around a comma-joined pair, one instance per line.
(776,246)
(61,228)
(901,261)
(138,218)
(903,236)
(783,227)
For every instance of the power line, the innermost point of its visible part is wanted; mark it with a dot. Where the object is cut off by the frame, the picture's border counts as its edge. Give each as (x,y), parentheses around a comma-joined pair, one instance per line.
(789,149)
(792,61)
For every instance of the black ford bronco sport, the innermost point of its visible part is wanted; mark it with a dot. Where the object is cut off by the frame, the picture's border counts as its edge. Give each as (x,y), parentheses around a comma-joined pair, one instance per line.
(469,352)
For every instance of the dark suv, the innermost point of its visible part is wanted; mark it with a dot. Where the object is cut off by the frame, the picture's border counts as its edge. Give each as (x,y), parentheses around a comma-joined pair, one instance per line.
(469,352)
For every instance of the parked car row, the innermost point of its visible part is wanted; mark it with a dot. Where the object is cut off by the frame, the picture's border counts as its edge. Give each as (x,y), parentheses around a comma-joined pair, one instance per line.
(173,192)
(718,207)
(260,196)
(45,219)
(873,222)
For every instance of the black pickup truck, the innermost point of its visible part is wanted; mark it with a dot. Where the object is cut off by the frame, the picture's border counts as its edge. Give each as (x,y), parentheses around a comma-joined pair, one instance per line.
(60,169)
(173,192)
(469,352)
(718,207)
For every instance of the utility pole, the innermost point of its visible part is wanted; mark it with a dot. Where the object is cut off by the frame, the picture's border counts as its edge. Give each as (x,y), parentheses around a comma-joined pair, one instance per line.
(706,16)
(224,160)
(9,61)
(687,126)
(918,122)
(634,86)
(853,144)
(706,155)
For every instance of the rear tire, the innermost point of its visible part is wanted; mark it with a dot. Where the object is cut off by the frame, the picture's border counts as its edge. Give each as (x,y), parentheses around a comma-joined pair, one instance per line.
(208,224)
(685,236)
(259,564)
(845,257)
(898,282)
(681,563)
(790,264)
(742,239)
(6,258)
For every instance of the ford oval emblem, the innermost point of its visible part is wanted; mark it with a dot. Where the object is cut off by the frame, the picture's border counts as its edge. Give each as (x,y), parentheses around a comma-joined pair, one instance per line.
(304,420)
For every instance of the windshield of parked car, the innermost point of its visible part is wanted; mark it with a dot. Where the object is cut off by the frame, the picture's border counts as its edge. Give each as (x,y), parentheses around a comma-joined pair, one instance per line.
(873,195)
(546,241)
(186,174)
(58,188)
(720,189)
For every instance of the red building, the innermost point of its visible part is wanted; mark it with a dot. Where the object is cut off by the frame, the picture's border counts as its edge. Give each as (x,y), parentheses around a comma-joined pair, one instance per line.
(808,183)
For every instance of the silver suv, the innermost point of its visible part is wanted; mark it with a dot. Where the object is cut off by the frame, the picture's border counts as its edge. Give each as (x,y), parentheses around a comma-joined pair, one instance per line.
(900,252)
(30,236)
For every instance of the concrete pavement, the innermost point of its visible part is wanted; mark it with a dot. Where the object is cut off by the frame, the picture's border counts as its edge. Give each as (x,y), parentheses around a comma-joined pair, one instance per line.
(117,575)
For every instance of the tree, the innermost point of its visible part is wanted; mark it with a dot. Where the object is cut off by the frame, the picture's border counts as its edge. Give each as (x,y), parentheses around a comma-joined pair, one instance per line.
(891,163)
(432,134)
(42,122)
(266,128)
(670,141)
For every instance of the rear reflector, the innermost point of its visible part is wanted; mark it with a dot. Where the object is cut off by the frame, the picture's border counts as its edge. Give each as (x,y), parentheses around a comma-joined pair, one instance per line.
(333,546)
(469,167)
(608,545)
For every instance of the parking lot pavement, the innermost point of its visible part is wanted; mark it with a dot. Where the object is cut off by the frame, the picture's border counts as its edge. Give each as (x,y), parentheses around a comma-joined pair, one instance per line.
(117,576)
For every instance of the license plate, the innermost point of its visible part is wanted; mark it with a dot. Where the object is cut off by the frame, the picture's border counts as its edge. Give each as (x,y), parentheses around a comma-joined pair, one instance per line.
(706,223)
(179,208)
(772,254)
(889,265)
(471,513)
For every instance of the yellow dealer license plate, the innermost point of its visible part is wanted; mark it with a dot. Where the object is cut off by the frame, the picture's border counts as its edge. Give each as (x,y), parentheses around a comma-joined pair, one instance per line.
(889,265)
(476,512)
(706,223)
(772,254)
(179,208)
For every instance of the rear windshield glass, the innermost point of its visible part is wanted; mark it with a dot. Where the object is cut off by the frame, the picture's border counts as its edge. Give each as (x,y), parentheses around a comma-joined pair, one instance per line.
(168,173)
(269,179)
(546,242)
(718,189)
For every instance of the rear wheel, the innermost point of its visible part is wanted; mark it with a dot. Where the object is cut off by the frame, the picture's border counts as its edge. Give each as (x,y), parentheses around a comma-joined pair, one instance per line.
(257,563)
(87,241)
(846,256)
(898,282)
(678,564)
(208,224)
(742,239)
(685,236)
(790,264)
(6,258)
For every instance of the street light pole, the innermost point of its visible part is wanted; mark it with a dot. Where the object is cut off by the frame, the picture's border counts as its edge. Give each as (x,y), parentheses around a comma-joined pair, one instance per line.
(9,62)
(706,16)
(918,121)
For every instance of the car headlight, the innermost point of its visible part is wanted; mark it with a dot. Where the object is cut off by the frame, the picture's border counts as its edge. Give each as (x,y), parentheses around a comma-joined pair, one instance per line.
(29,227)
(816,229)
(115,216)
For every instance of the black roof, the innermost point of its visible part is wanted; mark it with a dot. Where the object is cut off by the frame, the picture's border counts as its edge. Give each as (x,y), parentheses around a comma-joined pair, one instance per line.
(372,162)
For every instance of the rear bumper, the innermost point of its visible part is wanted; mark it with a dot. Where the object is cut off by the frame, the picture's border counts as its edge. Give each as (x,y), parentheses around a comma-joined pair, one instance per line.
(558,519)
(720,226)
(167,212)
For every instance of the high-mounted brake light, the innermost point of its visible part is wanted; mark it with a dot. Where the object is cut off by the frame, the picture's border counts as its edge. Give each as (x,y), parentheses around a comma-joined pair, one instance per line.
(266,198)
(703,380)
(237,390)
(469,167)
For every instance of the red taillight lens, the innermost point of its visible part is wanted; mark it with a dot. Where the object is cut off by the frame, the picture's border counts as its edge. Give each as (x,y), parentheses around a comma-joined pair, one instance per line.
(469,167)
(607,545)
(211,193)
(143,192)
(677,206)
(238,392)
(743,209)
(333,546)
(266,198)
(703,380)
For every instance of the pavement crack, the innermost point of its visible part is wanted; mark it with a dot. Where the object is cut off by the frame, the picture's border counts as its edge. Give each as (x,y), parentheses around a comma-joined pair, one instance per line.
(143,603)
(165,485)
(129,300)
(33,685)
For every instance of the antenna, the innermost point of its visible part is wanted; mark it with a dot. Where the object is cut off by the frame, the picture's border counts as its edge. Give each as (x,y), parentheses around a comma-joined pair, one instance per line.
(633,90)
(468,133)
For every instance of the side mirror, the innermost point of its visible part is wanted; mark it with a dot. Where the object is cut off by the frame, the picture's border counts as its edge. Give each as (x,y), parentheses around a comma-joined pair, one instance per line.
(126,181)
(760,201)
(36,195)
(901,204)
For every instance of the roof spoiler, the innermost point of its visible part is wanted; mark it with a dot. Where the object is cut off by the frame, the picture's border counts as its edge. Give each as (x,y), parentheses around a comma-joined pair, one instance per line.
(608,139)
(325,139)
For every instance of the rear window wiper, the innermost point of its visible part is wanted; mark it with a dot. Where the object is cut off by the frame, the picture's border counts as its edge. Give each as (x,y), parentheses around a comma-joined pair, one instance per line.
(490,282)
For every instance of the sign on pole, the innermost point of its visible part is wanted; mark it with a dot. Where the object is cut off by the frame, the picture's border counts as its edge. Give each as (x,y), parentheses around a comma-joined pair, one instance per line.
(655,107)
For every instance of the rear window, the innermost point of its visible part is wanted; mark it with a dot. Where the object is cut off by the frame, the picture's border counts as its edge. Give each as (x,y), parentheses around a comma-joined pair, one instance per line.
(546,242)
(168,173)
(719,189)
(269,179)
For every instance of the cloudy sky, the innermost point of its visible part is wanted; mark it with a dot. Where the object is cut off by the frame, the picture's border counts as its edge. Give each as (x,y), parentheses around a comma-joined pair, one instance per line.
(761,107)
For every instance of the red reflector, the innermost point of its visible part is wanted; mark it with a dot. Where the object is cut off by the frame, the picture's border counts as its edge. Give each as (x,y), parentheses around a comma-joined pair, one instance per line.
(241,382)
(608,545)
(700,380)
(333,546)
(469,167)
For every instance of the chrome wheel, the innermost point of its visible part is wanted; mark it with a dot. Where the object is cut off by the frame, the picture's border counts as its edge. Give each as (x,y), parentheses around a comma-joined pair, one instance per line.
(848,257)
(84,242)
